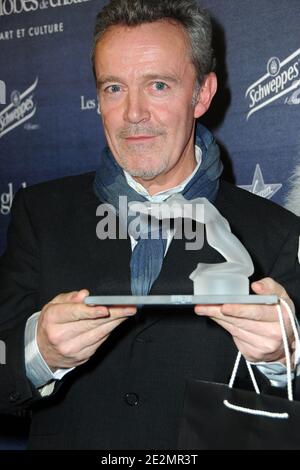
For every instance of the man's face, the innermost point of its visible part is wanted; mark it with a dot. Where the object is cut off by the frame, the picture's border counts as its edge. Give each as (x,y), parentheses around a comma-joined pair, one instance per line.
(146,85)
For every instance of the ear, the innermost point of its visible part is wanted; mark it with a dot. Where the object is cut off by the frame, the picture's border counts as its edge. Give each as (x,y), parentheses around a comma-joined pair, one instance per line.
(206,94)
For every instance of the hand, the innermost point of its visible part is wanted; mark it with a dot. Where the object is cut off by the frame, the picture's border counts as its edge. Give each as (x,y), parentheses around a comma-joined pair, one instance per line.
(255,328)
(69,332)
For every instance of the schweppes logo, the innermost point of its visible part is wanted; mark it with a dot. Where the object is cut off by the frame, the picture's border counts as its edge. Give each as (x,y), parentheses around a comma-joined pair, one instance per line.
(281,78)
(20,110)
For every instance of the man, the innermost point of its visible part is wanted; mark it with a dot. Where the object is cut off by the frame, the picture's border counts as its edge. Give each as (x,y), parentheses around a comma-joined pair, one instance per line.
(124,373)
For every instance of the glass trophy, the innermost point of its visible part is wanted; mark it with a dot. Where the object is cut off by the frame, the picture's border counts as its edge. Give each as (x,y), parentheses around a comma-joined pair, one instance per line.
(218,283)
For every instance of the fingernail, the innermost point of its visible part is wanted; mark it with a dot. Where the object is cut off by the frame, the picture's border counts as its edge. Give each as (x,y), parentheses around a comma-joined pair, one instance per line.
(260,283)
(102,314)
(129,311)
(199,311)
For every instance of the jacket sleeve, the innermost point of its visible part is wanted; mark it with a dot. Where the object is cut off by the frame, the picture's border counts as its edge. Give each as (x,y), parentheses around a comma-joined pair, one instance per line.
(19,299)
(286,271)
(286,267)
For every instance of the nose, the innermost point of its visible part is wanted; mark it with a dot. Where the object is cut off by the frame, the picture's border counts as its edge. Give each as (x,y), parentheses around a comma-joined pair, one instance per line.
(136,108)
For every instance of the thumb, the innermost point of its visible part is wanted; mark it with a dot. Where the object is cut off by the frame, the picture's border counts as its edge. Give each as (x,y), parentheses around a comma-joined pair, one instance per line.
(267,286)
(75,296)
(79,296)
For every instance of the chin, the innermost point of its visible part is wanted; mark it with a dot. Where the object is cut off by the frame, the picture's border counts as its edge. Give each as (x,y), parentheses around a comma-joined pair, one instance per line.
(292,201)
(142,174)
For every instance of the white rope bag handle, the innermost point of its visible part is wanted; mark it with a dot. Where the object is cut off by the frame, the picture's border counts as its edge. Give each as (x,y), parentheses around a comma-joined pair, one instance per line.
(269,414)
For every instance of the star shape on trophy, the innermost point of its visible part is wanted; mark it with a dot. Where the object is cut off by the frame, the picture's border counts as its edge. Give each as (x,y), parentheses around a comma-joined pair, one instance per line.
(259,187)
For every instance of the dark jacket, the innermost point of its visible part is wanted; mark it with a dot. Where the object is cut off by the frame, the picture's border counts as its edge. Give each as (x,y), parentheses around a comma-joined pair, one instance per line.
(130,394)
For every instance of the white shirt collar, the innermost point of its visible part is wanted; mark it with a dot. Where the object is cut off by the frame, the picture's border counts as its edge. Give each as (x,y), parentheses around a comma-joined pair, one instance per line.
(163,195)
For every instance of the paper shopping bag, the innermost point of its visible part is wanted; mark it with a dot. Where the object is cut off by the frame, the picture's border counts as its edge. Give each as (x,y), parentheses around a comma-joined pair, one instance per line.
(216,416)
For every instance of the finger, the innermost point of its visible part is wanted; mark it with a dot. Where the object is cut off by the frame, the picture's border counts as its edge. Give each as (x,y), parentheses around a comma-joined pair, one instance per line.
(120,310)
(241,335)
(259,314)
(84,355)
(93,337)
(255,312)
(252,312)
(62,332)
(267,349)
(73,349)
(70,312)
(269,330)
(75,296)
(268,286)
(252,354)
(209,310)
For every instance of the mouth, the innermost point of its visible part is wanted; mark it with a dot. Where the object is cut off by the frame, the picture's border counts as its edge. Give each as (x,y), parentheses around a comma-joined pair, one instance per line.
(139,138)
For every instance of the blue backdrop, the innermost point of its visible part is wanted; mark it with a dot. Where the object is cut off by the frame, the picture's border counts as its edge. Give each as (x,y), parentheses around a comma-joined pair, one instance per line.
(49,126)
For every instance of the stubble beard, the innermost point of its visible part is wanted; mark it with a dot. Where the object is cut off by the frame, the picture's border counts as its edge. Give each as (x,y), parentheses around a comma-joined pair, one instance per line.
(140,152)
(143,173)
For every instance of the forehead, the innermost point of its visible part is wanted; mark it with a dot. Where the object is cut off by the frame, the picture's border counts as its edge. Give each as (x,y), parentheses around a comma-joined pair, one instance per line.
(146,45)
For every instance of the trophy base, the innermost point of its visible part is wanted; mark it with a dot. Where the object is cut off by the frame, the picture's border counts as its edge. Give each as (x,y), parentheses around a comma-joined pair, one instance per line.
(182,300)
(221,284)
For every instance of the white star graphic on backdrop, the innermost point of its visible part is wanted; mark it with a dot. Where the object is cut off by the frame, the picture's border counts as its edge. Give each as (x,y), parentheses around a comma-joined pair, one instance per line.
(259,187)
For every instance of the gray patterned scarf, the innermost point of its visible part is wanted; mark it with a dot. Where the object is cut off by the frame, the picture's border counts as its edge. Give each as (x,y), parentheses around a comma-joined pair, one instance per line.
(148,254)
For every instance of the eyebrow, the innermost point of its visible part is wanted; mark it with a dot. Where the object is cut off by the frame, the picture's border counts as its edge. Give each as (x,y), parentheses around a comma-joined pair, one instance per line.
(107,79)
(112,79)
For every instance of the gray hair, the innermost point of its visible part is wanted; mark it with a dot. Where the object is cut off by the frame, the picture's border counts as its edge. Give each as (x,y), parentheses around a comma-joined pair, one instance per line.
(195,21)
(292,200)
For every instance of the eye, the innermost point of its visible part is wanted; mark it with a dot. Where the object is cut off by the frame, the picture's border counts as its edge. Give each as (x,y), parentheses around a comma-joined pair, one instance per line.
(160,86)
(113,89)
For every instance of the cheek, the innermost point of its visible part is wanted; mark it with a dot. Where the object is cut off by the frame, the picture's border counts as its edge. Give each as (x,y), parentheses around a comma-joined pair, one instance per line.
(111,122)
(174,114)
(162,110)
